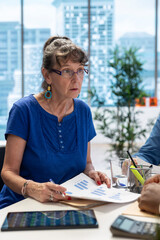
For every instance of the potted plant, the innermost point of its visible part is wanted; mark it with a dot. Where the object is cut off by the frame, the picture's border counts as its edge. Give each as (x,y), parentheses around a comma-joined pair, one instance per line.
(121,123)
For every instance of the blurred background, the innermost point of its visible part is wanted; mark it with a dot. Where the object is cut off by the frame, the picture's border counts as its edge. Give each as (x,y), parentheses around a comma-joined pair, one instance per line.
(98,26)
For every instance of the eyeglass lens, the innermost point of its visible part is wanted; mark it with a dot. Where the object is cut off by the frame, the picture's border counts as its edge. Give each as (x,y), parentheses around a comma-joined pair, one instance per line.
(70,73)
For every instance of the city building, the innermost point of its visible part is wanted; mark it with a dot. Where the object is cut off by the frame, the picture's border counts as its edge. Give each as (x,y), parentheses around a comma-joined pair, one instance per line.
(10,63)
(72,21)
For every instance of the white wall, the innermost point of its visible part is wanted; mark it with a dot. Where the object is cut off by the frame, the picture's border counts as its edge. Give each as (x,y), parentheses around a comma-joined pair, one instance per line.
(147,113)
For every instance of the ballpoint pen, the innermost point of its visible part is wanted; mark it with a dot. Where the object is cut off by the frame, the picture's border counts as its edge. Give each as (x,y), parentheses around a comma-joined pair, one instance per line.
(51,180)
(149,169)
(63,194)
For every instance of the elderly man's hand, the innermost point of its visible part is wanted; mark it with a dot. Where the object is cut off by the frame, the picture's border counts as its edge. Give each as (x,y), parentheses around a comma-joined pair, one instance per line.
(126,164)
(150,198)
(154,179)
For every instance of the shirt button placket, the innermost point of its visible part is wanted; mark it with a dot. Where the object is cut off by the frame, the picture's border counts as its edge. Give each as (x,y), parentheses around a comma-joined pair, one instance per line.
(60,136)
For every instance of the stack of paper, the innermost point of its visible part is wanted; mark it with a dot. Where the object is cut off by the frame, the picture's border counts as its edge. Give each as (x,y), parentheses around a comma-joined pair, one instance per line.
(84,187)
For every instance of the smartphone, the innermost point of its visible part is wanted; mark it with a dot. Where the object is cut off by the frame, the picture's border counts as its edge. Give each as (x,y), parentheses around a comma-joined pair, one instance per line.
(127,227)
(61,219)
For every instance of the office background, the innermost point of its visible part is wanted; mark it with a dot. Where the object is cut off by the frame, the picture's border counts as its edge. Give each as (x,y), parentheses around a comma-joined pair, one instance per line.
(96,25)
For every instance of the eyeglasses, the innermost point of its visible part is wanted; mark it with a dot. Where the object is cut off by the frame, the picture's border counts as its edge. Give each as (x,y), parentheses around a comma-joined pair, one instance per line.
(67,73)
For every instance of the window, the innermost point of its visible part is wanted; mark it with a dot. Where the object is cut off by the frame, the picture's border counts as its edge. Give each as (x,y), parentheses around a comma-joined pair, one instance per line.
(111,22)
(9,58)
(133,29)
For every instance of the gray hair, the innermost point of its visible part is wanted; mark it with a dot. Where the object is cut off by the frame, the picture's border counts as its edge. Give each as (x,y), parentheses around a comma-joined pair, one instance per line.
(58,50)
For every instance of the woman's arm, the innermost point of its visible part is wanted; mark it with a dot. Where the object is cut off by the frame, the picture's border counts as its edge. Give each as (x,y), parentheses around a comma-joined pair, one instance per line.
(42,192)
(98,176)
(89,166)
(13,157)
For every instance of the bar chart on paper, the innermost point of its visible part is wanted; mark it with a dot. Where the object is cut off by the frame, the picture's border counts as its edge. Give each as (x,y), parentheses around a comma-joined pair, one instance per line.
(84,187)
(99,192)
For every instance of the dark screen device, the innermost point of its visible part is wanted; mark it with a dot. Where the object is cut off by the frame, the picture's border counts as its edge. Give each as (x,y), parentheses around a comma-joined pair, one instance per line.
(127,227)
(61,219)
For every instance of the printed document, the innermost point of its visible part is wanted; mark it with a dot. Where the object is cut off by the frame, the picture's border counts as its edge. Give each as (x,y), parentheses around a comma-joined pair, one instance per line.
(84,187)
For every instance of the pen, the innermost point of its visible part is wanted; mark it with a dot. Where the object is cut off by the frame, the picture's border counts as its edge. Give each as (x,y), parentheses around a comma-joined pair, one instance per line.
(132,159)
(149,169)
(63,194)
(51,180)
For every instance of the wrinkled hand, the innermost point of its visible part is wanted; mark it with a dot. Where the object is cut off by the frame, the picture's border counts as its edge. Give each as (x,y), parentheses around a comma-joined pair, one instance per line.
(126,164)
(150,198)
(45,192)
(99,177)
(154,179)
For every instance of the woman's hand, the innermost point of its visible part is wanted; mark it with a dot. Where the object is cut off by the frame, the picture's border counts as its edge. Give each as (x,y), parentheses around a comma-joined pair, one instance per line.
(45,192)
(99,177)
(150,198)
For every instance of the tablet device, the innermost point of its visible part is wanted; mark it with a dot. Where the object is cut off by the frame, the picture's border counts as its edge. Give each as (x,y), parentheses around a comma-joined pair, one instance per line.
(37,220)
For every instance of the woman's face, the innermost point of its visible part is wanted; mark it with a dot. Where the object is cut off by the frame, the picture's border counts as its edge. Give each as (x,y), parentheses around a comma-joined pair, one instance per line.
(67,87)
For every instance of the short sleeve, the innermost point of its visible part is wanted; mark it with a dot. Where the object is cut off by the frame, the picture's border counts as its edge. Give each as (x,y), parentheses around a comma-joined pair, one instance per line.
(17,123)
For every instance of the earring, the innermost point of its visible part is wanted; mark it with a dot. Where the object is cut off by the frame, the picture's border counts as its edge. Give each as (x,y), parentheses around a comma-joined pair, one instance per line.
(48,93)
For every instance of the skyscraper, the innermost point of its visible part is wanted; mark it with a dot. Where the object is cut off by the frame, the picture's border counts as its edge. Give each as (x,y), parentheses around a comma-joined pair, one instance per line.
(72,21)
(9,59)
(10,54)
(10,64)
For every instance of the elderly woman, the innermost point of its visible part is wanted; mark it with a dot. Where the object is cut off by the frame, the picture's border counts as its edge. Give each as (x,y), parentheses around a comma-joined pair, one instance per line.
(48,134)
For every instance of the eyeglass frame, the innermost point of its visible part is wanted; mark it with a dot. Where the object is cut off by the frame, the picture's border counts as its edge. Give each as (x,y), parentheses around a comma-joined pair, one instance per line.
(60,72)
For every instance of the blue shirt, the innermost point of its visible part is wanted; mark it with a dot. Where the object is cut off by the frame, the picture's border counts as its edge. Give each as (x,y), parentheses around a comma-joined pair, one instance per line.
(150,151)
(56,150)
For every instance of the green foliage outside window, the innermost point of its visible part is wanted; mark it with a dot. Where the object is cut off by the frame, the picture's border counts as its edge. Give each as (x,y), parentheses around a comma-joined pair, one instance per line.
(121,123)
